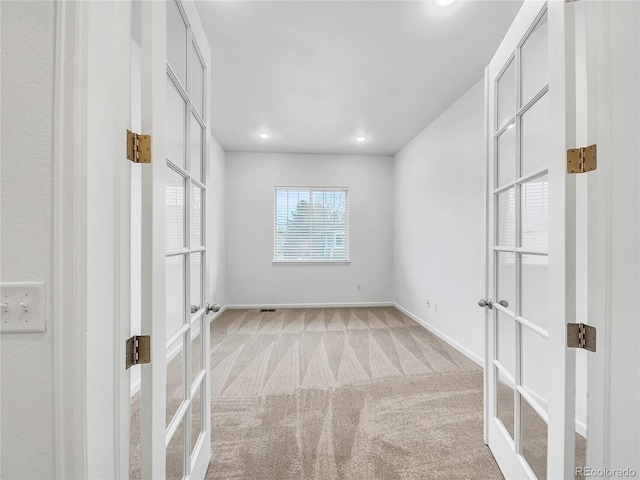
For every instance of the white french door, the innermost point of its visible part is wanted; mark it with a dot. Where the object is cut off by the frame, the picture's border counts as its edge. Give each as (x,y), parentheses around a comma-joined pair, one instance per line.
(175,398)
(529,412)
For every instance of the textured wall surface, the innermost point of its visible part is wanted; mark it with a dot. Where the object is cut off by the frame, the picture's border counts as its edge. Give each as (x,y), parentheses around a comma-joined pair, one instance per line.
(28,30)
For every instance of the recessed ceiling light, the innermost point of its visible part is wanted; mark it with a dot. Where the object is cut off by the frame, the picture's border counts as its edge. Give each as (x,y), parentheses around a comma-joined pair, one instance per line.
(443,3)
(361,139)
(264,136)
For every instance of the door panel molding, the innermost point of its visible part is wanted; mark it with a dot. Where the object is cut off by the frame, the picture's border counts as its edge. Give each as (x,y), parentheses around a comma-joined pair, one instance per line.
(91,290)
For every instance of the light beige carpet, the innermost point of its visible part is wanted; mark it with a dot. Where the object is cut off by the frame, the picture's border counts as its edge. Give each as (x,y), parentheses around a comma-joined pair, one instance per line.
(363,393)
(360,393)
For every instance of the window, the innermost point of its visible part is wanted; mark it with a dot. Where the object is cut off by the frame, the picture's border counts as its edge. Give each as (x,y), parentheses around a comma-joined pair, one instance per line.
(311,224)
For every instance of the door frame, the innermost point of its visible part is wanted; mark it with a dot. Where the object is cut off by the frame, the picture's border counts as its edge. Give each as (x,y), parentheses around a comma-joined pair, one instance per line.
(75,42)
(610,416)
(69,241)
(91,203)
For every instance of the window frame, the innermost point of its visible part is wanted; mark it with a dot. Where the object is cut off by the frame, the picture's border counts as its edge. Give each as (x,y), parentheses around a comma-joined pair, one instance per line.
(310,261)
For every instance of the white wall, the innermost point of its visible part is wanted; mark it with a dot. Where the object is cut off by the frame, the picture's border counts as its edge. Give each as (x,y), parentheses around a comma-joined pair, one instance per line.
(216,235)
(252,278)
(624,126)
(27,414)
(439,223)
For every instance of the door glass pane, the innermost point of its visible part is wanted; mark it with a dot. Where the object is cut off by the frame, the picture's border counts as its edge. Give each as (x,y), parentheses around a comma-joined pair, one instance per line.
(176,41)
(506,218)
(534,439)
(196,350)
(195,159)
(535,214)
(196,216)
(505,270)
(507,156)
(175,134)
(175,377)
(134,436)
(507,95)
(534,61)
(174,220)
(534,283)
(581,454)
(175,294)
(175,454)
(535,136)
(196,280)
(505,401)
(197,80)
(505,342)
(535,364)
(196,418)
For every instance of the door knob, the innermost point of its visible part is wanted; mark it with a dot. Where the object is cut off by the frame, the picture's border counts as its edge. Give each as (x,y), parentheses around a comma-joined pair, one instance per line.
(195,308)
(213,308)
(504,303)
(486,303)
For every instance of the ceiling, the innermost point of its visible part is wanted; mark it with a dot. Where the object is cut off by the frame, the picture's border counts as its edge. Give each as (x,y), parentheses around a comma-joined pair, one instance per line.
(315,75)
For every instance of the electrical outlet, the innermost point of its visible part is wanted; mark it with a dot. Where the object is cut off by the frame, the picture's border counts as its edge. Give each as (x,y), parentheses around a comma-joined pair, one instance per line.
(428,303)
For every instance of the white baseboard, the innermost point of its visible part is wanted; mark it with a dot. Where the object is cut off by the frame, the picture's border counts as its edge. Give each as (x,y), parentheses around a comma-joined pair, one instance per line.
(310,305)
(465,351)
(581,427)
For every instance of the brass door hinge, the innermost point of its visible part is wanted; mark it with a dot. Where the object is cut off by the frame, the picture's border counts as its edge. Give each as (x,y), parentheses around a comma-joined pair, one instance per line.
(580,335)
(138,350)
(580,160)
(138,147)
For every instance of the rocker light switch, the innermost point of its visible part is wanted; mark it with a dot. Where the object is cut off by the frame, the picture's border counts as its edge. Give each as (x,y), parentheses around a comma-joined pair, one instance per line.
(22,307)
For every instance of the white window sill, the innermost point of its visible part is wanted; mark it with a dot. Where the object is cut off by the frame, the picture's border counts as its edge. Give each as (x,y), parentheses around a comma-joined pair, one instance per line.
(311,262)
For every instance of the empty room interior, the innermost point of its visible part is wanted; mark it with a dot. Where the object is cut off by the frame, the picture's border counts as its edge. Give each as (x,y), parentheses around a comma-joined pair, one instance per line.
(320,239)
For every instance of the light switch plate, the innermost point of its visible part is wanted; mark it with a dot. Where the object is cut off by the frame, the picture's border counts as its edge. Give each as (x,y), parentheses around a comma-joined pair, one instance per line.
(22,308)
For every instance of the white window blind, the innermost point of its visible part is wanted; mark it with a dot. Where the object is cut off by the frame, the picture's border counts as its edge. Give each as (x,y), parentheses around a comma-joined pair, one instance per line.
(534,220)
(311,224)
(535,214)
(174,199)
